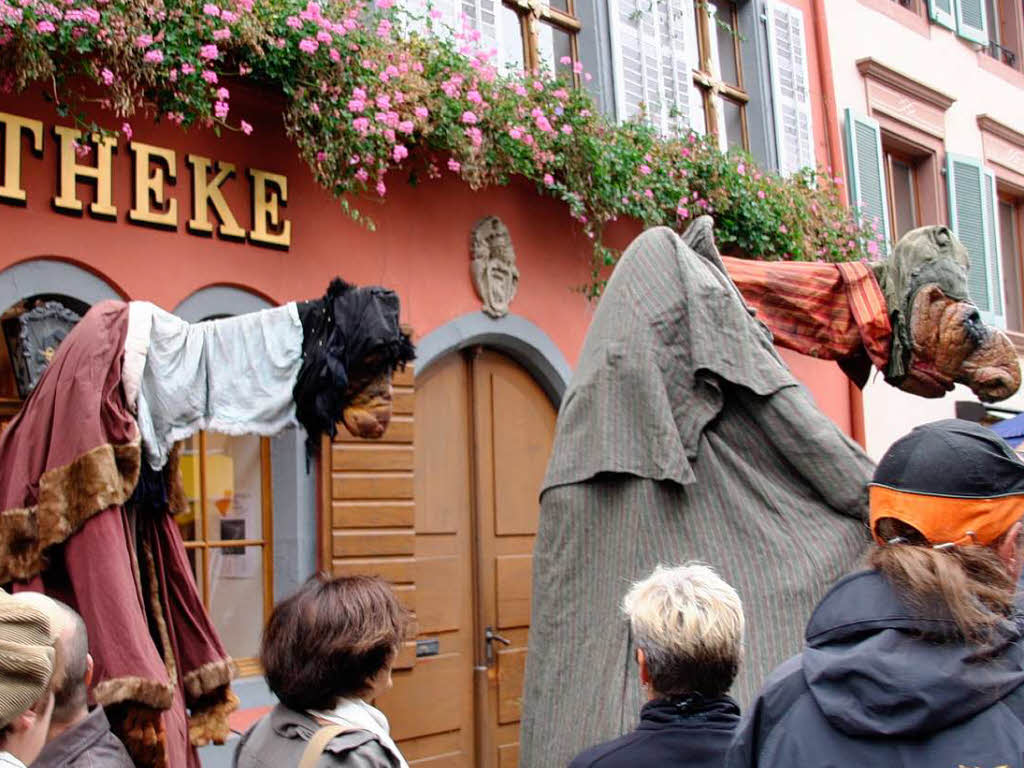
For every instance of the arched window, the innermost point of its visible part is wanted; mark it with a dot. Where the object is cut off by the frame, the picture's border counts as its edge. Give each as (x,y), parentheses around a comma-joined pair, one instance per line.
(40,301)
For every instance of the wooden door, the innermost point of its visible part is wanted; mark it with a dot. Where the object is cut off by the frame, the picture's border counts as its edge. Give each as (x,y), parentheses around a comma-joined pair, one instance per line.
(447,512)
(514,426)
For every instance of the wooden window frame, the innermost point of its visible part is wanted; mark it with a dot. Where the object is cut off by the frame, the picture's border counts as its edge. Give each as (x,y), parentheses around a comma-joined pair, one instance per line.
(892,153)
(711,85)
(1010,30)
(1003,150)
(249,665)
(1014,198)
(531,14)
(912,116)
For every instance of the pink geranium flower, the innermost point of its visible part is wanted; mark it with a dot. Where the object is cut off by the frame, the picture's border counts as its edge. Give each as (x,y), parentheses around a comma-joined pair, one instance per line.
(246,128)
(469,118)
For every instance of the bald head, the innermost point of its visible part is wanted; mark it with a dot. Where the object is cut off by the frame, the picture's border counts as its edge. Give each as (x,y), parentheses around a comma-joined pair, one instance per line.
(73,665)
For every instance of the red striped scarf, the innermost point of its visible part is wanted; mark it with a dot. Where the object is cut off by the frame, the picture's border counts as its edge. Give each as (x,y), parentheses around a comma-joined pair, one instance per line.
(830,311)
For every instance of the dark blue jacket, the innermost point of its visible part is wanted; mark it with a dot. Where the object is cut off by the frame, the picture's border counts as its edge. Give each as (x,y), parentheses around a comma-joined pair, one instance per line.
(687,732)
(881,684)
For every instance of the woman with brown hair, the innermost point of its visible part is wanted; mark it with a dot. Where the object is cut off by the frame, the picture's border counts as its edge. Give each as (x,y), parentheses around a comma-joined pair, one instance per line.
(917,661)
(327,653)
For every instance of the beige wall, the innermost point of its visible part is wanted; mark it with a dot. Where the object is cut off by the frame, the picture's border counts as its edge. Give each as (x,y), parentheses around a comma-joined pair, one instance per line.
(945,62)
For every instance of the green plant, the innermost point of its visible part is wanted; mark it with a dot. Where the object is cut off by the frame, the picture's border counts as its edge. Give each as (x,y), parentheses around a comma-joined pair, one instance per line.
(371,89)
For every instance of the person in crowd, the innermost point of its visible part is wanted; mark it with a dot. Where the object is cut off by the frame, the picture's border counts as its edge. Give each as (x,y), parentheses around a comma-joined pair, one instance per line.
(77,737)
(26,667)
(327,653)
(917,660)
(687,626)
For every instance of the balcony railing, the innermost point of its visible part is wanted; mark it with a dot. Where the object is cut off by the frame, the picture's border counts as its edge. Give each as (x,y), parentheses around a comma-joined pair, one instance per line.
(1002,53)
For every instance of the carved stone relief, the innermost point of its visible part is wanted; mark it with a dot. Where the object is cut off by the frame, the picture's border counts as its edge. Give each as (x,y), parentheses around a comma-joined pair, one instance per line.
(493,267)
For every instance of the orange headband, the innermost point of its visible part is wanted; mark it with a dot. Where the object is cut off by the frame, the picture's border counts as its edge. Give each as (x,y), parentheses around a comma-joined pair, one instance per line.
(945,519)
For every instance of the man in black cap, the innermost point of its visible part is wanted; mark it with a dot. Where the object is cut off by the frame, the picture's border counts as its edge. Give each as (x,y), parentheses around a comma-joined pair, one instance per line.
(918,660)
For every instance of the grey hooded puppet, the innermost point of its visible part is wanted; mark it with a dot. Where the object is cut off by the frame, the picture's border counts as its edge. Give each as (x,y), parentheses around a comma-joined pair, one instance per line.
(682,436)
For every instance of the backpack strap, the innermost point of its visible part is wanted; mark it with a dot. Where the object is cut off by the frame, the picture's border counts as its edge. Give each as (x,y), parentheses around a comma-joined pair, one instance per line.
(318,743)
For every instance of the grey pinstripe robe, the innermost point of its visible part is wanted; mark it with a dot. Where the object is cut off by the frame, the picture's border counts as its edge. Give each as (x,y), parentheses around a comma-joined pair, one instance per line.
(682,436)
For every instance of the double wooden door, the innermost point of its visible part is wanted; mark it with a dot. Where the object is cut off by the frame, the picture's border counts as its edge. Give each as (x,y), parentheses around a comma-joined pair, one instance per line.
(483,433)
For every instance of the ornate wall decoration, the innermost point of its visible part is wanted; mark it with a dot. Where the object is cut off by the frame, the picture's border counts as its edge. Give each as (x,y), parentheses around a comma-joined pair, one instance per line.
(493,267)
(42,329)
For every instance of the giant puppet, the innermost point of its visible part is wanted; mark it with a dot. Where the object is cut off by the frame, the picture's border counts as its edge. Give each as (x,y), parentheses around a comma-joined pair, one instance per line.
(683,435)
(89,481)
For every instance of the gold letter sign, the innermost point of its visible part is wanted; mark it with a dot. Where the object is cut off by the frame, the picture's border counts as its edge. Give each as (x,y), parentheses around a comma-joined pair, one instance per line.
(267,226)
(206,192)
(89,159)
(11,190)
(71,170)
(149,188)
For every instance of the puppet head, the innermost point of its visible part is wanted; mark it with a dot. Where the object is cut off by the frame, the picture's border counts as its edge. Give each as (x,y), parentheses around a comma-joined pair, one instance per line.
(352,344)
(939,338)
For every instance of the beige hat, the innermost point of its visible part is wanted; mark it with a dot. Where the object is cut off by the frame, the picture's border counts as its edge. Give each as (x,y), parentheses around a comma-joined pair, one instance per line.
(26,656)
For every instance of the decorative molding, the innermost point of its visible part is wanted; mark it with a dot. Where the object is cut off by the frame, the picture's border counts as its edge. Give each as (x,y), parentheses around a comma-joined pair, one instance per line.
(1003,145)
(990,125)
(914,89)
(493,266)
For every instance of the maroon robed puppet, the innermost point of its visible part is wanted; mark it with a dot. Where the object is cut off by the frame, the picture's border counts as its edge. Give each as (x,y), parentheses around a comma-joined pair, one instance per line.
(86,518)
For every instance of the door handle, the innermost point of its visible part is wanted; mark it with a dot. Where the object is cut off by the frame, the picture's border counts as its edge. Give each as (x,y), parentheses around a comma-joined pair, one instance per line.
(490,636)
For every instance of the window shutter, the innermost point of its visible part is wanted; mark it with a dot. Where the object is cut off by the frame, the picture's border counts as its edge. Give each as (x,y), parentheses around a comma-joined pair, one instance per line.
(993,250)
(865,171)
(970,20)
(942,12)
(965,180)
(787,54)
(654,49)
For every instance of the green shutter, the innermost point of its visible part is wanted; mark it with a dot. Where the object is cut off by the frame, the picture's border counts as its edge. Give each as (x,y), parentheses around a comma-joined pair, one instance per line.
(965,180)
(866,173)
(970,21)
(993,252)
(942,12)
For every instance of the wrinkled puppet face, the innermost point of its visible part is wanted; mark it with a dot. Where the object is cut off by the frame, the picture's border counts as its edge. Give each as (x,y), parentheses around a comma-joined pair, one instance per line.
(368,412)
(952,345)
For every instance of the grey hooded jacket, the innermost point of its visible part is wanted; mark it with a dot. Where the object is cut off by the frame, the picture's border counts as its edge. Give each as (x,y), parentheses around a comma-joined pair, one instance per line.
(881,684)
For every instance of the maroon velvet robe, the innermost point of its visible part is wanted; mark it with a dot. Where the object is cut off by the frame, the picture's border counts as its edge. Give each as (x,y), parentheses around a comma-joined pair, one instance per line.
(70,461)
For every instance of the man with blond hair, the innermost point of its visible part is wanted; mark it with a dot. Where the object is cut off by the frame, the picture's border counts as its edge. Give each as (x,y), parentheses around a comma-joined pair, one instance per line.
(686,625)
